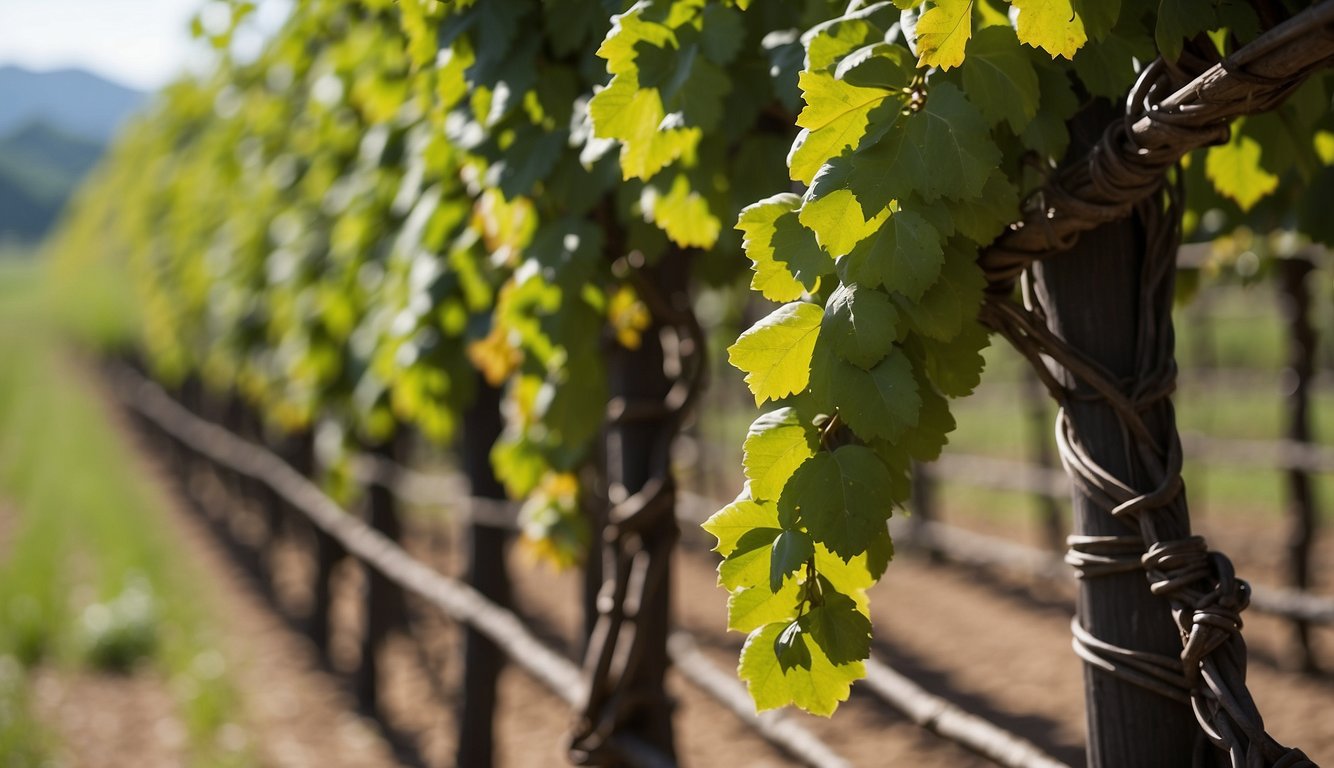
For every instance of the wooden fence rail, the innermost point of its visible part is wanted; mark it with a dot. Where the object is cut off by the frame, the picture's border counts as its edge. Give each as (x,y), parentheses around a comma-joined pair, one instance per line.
(463,604)
(455,599)
(976,549)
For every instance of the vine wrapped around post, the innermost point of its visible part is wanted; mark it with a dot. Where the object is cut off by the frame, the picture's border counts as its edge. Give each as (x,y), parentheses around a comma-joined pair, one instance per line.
(625,708)
(1143,492)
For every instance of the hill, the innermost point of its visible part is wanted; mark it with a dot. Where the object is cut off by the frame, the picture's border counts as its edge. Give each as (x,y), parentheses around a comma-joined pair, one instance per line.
(53,128)
(40,166)
(74,100)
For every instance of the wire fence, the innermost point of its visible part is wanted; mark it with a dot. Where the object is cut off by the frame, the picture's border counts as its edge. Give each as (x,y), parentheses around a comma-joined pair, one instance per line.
(463,604)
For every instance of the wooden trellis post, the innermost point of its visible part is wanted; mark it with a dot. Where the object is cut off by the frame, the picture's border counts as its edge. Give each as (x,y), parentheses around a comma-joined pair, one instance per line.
(1296,307)
(482,660)
(384,602)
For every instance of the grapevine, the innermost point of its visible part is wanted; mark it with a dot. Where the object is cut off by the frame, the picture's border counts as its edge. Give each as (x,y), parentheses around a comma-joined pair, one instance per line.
(395,195)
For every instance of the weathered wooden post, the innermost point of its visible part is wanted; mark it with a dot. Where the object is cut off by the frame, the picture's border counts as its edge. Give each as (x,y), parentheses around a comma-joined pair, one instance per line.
(1302,517)
(482,660)
(1094,299)
(384,602)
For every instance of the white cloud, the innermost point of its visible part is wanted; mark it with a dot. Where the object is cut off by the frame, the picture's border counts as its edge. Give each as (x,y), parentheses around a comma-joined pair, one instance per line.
(142,43)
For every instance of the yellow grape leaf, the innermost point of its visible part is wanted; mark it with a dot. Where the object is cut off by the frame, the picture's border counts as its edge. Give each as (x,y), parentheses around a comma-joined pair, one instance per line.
(776,352)
(1051,25)
(1236,172)
(943,32)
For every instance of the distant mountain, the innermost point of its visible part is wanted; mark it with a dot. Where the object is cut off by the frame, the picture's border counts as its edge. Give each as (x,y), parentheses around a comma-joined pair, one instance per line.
(47,160)
(73,100)
(40,166)
(54,127)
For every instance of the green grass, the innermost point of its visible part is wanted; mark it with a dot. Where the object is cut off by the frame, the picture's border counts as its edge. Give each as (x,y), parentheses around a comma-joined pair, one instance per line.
(90,576)
(24,742)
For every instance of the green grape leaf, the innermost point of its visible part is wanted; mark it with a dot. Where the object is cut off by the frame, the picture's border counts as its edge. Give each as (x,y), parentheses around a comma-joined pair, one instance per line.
(836,218)
(686,81)
(942,32)
(955,366)
(1236,171)
(799,250)
(819,395)
(518,465)
(1239,17)
(786,56)
(1052,25)
(631,30)
(775,353)
(861,324)
(904,255)
(834,119)
(778,443)
(983,218)
(952,300)
(851,576)
(792,550)
(733,521)
(879,551)
(1048,134)
(750,608)
(839,496)
(748,564)
(1108,68)
(1099,16)
(790,648)
(528,160)
(722,32)
(943,150)
(925,441)
(757,223)
(828,42)
(1000,78)
(681,212)
(569,25)
(877,65)
(818,689)
(633,116)
(1180,20)
(881,402)
(842,631)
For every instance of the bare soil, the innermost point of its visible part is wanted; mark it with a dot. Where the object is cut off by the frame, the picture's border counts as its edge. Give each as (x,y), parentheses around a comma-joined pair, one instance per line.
(991,642)
(109,721)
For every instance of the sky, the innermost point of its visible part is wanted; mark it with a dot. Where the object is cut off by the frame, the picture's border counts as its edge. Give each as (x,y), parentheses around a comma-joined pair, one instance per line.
(140,43)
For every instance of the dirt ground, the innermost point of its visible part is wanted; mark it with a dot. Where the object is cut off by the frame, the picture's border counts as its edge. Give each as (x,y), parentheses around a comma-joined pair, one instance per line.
(1023,675)
(991,642)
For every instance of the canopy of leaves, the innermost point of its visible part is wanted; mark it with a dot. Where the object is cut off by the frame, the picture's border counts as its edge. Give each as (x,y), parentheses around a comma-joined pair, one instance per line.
(397,198)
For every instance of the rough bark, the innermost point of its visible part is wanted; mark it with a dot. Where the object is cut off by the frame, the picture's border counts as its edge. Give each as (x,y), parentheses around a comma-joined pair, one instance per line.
(1093,303)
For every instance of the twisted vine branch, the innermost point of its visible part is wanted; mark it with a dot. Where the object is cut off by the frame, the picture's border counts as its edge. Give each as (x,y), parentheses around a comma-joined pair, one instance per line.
(1126,173)
(640,535)
(1205,596)
(1162,124)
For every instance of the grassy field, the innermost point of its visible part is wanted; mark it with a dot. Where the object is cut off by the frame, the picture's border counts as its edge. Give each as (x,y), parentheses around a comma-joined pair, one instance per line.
(90,578)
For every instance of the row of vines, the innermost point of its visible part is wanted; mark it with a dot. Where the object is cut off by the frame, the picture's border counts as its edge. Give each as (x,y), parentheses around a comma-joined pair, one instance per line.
(397,204)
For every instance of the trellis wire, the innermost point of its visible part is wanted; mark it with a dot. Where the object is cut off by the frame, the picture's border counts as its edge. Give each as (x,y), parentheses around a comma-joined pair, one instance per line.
(463,604)
(456,599)
(966,547)
(927,710)
(428,488)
